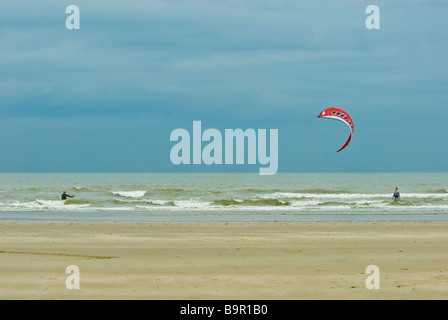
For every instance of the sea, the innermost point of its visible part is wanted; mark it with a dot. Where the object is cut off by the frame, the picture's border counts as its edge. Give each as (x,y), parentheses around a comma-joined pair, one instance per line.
(223,197)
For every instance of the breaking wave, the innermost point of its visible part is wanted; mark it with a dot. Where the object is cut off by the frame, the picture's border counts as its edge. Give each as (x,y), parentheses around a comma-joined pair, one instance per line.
(249,202)
(130,194)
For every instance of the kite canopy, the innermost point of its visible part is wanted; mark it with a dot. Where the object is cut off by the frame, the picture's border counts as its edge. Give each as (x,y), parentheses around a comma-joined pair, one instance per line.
(341,115)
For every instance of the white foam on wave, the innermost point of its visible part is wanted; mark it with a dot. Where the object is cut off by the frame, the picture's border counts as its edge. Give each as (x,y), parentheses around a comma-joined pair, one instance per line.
(130,194)
(192,204)
(149,201)
(294,195)
(348,196)
(39,205)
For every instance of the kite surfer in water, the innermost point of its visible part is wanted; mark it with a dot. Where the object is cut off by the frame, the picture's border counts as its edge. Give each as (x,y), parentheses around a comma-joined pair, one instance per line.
(396,195)
(65,195)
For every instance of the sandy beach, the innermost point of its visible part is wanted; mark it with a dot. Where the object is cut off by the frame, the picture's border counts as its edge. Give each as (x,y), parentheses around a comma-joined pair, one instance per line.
(224,260)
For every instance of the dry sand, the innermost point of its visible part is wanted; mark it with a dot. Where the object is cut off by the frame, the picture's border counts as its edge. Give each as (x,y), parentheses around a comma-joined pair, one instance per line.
(224,260)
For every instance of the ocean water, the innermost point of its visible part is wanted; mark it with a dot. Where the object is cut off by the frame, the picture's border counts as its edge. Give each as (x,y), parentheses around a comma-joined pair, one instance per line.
(208,197)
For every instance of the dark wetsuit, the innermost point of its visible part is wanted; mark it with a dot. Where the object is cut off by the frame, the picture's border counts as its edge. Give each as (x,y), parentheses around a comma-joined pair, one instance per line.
(64,196)
(396,196)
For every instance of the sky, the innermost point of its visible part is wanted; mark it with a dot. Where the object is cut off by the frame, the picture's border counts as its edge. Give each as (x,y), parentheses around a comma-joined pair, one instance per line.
(106,97)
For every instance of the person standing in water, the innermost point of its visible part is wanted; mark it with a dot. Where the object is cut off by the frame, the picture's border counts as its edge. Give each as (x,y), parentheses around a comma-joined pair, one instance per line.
(396,195)
(65,195)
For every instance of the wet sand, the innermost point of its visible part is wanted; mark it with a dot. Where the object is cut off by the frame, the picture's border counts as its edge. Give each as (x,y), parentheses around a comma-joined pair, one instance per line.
(224,260)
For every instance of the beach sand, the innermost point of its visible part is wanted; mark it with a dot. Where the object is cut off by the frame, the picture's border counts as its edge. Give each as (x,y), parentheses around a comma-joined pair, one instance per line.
(224,260)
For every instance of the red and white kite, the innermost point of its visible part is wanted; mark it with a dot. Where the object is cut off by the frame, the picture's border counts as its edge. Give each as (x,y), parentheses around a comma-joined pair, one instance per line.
(341,115)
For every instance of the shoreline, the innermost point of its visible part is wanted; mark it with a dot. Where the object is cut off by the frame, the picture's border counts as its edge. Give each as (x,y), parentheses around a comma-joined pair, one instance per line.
(215,217)
(224,222)
(224,260)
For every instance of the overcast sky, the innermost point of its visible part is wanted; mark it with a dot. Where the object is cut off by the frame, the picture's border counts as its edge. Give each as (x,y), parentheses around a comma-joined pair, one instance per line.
(107,96)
